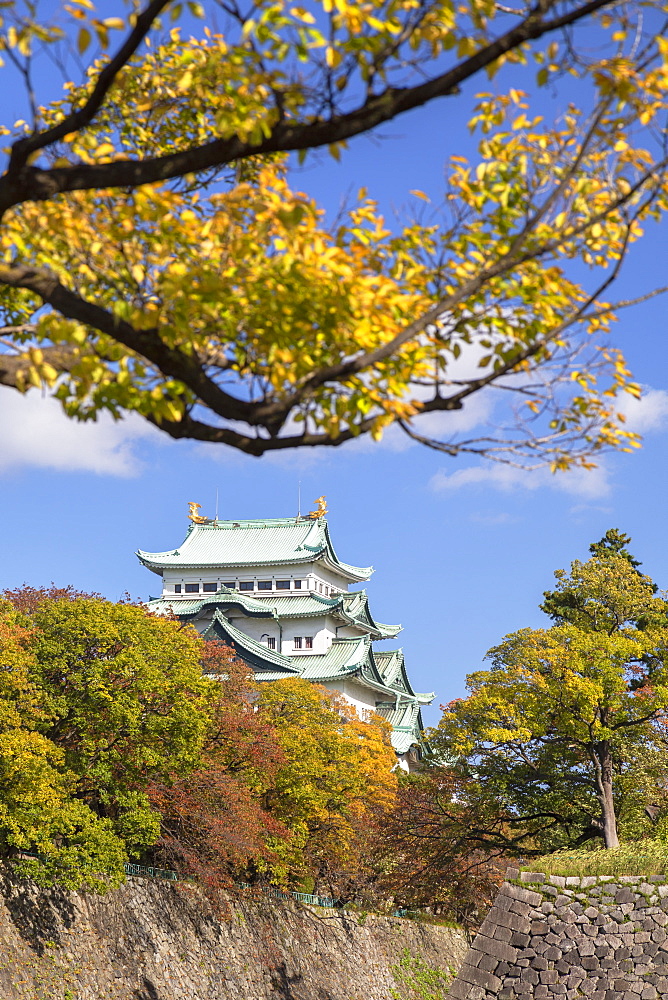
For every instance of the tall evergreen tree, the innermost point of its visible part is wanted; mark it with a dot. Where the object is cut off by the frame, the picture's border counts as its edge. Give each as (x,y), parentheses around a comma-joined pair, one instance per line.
(569,720)
(601,595)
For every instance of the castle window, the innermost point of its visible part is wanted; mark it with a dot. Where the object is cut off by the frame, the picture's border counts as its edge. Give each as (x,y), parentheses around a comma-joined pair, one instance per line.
(271,643)
(282,585)
(297,642)
(246,585)
(308,642)
(230,586)
(264,585)
(192,588)
(210,588)
(297,584)
(177,588)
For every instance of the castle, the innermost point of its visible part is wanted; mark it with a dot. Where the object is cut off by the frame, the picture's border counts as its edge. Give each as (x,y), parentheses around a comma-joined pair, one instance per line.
(276,591)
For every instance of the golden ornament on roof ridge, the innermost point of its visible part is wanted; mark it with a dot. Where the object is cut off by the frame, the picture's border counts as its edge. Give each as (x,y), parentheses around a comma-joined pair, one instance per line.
(193,516)
(321,509)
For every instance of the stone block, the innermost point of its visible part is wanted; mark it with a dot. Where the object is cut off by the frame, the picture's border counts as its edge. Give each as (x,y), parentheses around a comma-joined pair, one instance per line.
(489,963)
(490,946)
(549,977)
(459,990)
(507,918)
(477,993)
(518,892)
(478,977)
(539,927)
(501,933)
(503,901)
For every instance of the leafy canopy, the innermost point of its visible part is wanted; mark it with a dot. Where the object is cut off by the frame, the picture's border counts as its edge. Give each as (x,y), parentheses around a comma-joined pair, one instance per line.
(338,772)
(155,256)
(213,822)
(124,735)
(568,726)
(96,701)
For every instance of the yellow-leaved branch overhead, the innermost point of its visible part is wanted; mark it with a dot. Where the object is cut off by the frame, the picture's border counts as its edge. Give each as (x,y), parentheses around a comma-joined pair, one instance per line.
(158,254)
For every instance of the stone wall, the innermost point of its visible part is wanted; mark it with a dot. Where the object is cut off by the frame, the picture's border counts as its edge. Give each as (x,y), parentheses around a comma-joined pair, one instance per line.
(553,937)
(161,941)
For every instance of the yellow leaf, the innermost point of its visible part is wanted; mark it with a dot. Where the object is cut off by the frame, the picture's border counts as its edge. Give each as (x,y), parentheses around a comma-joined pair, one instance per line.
(185,81)
(83,41)
(333,57)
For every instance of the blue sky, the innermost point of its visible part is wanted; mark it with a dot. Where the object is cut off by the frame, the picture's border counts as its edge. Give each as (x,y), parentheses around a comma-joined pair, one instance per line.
(462,550)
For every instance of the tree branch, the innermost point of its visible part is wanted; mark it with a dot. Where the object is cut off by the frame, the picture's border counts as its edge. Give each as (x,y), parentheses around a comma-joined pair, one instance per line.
(77,120)
(37,184)
(147,343)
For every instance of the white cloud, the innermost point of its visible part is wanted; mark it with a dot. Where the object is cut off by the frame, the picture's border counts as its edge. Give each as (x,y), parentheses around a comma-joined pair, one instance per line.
(649,413)
(37,434)
(589,483)
(644,415)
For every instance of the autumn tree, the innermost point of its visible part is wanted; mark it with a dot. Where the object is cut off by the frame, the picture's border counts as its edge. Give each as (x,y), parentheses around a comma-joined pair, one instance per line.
(106,699)
(213,824)
(427,848)
(39,807)
(336,776)
(601,595)
(156,256)
(564,727)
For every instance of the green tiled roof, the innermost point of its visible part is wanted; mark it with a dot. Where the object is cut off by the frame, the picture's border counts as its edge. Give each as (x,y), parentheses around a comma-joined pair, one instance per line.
(302,605)
(356,607)
(392,668)
(389,664)
(250,650)
(274,542)
(383,672)
(353,608)
(344,656)
(406,722)
(224,598)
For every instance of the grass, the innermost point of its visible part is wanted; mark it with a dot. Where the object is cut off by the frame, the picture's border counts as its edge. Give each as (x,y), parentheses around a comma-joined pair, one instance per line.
(645,858)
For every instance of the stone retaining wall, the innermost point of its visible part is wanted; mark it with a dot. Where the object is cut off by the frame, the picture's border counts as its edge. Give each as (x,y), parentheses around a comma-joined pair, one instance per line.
(602,938)
(162,941)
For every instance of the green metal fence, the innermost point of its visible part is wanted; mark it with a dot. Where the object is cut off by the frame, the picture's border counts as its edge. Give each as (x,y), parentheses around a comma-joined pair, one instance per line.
(169,875)
(303,897)
(147,871)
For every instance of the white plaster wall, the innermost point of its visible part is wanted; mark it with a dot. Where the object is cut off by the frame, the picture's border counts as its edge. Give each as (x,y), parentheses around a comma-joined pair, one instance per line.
(309,575)
(327,576)
(259,628)
(349,632)
(256,628)
(360,697)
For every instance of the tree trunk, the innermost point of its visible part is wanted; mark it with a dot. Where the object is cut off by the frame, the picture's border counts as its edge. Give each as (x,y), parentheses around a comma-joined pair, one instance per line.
(603,766)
